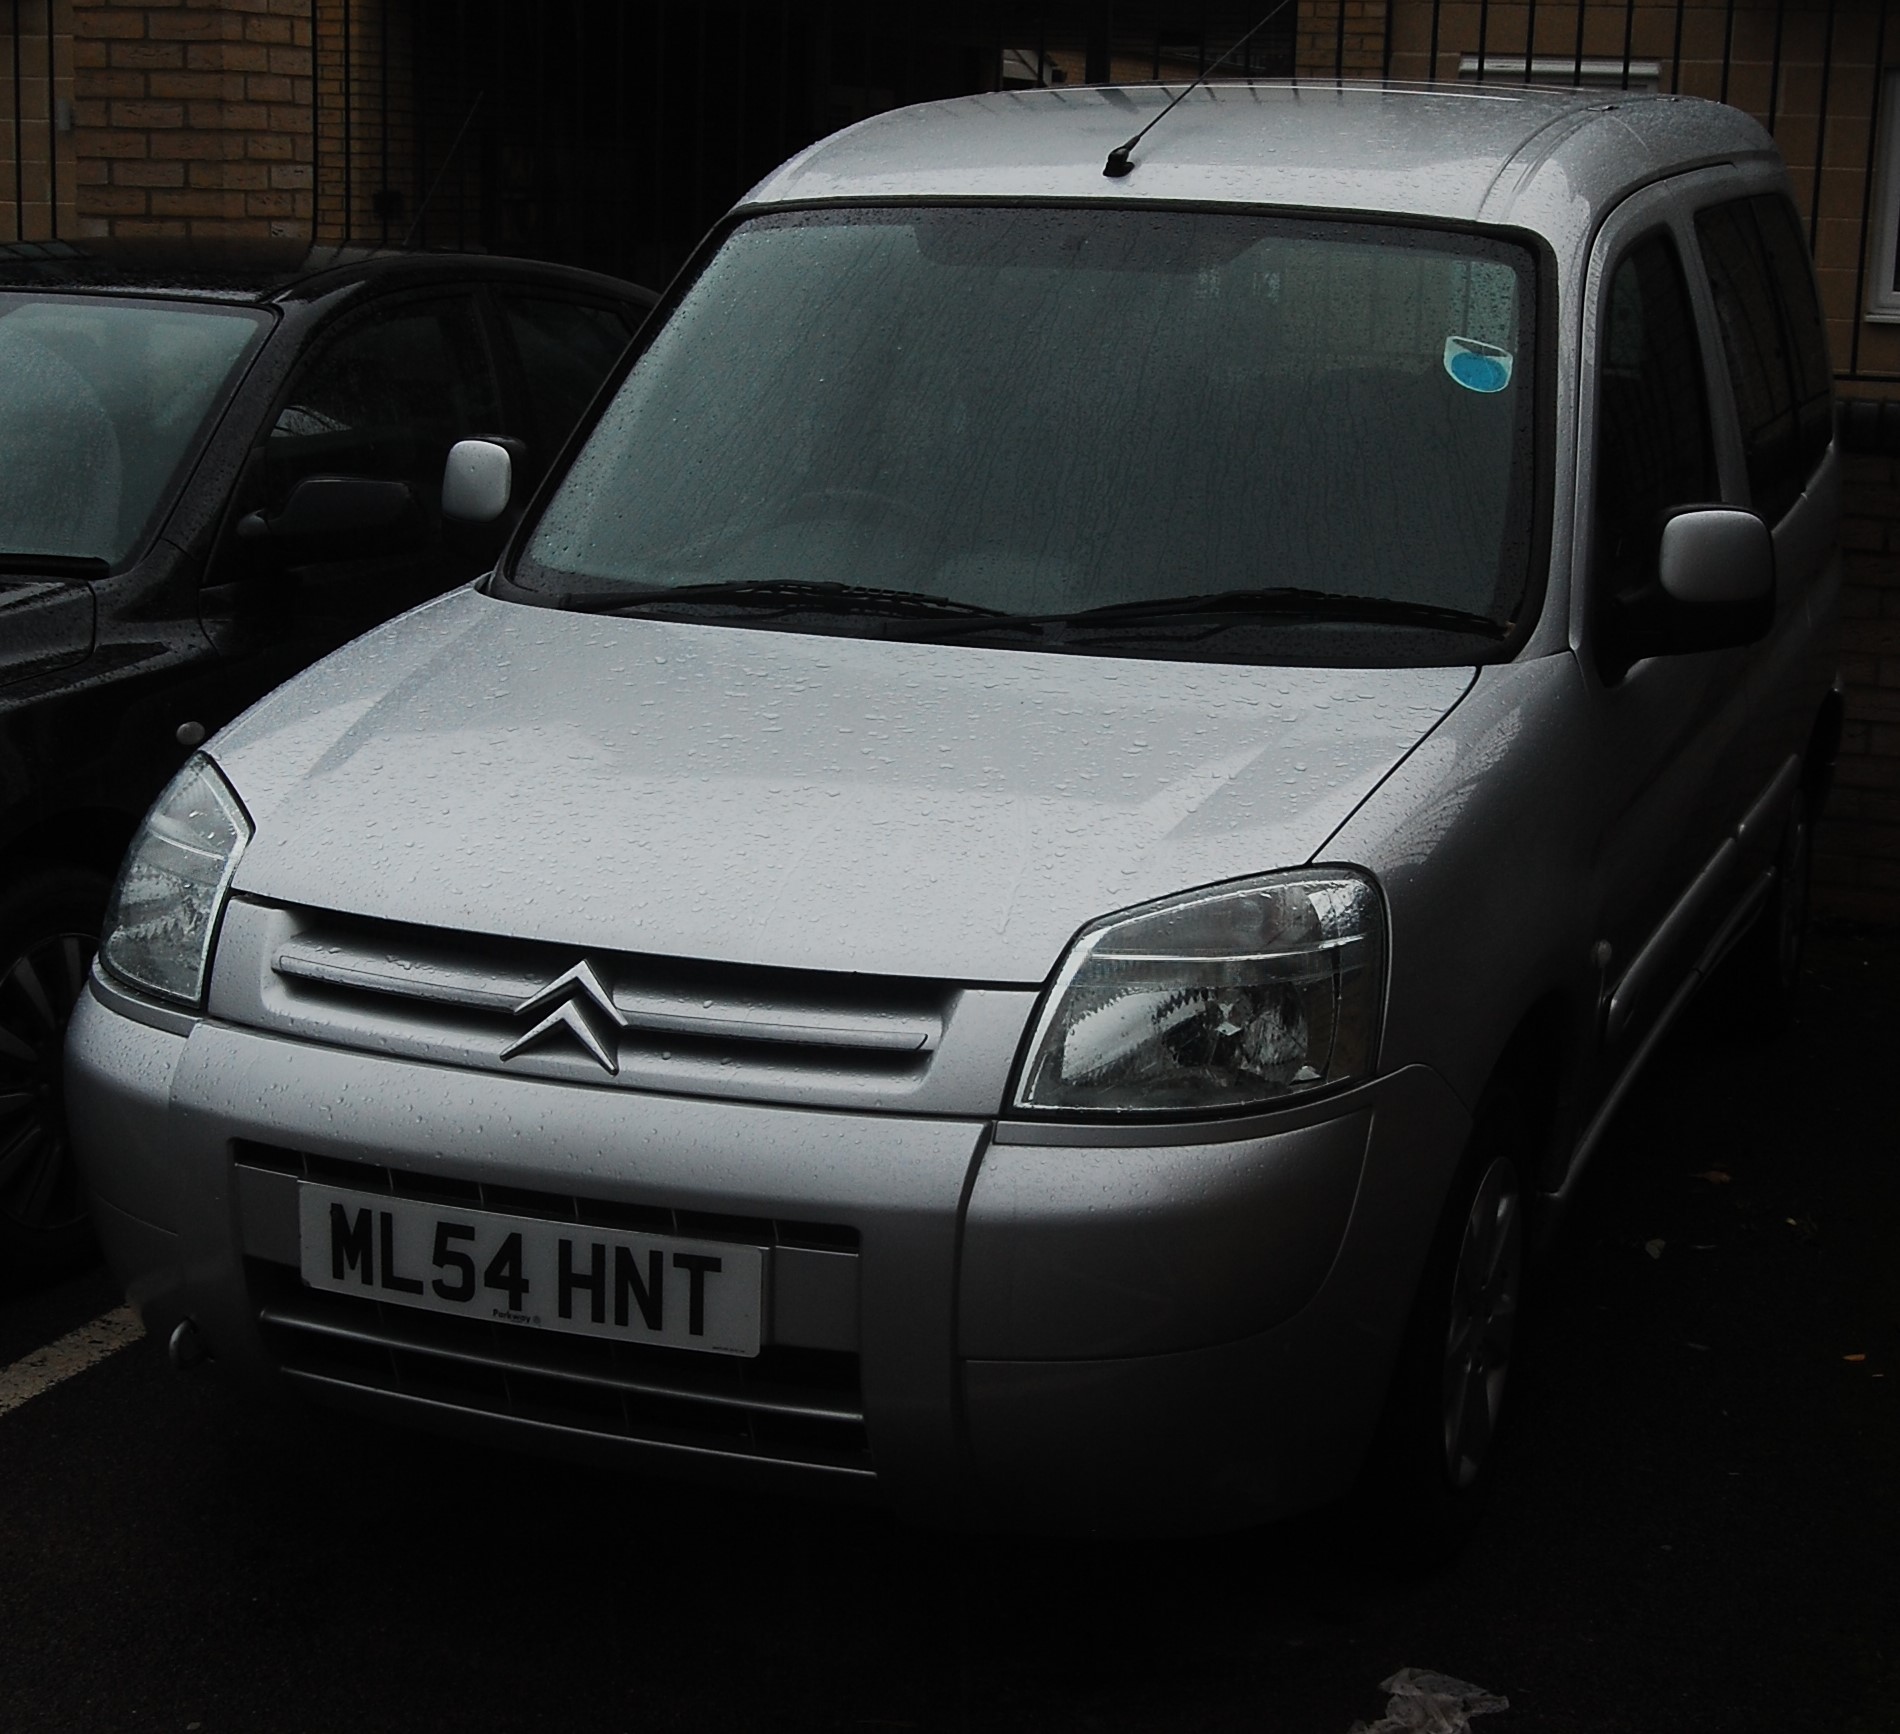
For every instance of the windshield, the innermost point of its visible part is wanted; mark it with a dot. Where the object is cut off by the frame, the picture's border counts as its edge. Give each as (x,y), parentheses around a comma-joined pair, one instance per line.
(1034,413)
(100,403)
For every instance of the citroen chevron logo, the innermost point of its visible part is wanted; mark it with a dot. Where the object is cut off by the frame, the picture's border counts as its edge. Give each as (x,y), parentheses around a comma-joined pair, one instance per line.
(576,1002)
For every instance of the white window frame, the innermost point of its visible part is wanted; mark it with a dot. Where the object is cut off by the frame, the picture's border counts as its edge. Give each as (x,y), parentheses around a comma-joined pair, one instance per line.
(1562,71)
(1883,298)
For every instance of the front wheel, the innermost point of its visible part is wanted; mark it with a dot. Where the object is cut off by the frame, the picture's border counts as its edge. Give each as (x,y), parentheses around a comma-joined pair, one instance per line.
(1431,1467)
(49,929)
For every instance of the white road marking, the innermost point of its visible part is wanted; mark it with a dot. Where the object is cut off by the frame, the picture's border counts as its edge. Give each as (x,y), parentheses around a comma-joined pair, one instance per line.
(72,1353)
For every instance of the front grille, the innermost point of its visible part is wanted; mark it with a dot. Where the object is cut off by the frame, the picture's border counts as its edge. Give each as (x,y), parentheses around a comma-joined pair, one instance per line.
(605,1017)
(800,1407)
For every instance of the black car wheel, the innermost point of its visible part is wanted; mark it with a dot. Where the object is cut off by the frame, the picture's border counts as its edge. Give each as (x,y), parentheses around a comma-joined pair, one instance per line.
(49,929)
(1431,1467)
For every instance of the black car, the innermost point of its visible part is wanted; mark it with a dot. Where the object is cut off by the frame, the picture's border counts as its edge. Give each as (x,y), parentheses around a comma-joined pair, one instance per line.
(204,488)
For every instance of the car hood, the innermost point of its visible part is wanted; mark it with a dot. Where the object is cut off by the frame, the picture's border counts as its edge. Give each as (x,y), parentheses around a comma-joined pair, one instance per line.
(776,798)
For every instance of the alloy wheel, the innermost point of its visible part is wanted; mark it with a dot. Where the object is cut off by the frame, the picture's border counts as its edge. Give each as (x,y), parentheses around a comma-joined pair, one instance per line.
(1486,1281)
(40,1188)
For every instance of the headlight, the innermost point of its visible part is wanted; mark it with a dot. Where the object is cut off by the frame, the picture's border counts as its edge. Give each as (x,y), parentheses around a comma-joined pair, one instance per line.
(1225,998)
(165,908)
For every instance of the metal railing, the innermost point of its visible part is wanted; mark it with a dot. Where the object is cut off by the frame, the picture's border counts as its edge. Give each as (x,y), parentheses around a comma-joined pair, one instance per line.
(612,135)
(1811,74)
(30,190)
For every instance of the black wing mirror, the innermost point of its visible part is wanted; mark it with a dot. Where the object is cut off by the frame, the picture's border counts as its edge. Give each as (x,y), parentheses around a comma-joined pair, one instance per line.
(331,506)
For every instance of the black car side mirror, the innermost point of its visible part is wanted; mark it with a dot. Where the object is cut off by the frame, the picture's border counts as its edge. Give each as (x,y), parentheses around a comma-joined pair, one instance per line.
(331,506)
(1716,568)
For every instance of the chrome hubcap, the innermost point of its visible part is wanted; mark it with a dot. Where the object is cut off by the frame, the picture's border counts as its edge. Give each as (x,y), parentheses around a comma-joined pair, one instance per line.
(39,1187)
(1483,1317)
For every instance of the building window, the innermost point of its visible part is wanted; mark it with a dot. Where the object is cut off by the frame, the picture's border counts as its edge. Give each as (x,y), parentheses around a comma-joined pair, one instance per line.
(1883,270)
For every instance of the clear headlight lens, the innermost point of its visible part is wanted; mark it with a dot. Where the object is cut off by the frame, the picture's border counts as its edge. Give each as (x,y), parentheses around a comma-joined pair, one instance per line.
(165,908)
(1225,998)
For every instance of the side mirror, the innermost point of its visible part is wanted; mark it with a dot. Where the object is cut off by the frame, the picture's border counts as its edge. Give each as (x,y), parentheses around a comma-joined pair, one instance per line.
(477,481)
(331,506)
(1716,567)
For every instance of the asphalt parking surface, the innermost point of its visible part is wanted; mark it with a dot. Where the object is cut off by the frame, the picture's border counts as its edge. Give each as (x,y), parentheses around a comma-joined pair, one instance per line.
(1695,1526)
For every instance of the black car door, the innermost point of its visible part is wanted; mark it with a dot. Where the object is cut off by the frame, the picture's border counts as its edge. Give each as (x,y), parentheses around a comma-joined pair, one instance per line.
(379,400)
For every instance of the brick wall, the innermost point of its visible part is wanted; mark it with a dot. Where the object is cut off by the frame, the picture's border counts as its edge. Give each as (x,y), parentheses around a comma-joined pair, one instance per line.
(36,145)
(193,120)
(1340,39)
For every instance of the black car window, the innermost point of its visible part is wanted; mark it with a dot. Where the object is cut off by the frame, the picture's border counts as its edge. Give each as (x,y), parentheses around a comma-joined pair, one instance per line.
(566,349)
(1781,389)
(386,396)
(101,406)
(1653,449)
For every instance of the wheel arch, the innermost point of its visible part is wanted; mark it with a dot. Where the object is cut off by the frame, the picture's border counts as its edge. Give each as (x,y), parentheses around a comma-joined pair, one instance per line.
(95,838)
(1536,1064)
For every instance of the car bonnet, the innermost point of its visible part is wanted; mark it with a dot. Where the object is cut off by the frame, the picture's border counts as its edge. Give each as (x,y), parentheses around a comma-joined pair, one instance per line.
(783,799)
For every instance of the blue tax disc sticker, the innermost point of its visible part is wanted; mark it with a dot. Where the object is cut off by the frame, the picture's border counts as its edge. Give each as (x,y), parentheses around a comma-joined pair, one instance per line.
(1477,366)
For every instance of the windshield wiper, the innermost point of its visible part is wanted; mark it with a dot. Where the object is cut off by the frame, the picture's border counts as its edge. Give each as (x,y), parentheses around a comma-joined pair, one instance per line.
(54,565)
(1225,608)
(781,596)
(1289,601)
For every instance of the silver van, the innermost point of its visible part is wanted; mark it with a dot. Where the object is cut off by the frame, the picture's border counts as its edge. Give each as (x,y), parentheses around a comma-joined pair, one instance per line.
(1048,853)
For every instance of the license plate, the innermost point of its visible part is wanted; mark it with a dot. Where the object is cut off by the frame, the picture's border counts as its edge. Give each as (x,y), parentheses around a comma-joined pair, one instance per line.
(524,1270)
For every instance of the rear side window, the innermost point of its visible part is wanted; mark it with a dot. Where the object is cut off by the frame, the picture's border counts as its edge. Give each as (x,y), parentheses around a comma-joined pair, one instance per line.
(1653,445)
(567,348)
(1773,343)
(1787,252)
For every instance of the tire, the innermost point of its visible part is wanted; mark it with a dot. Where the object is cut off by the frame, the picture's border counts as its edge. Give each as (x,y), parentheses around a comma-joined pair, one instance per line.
(1430,1471)
(1763,977)
(49,929)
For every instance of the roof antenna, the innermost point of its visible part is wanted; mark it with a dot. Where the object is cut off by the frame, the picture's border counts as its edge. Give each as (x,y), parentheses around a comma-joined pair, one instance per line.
(461,133)
(1119,162)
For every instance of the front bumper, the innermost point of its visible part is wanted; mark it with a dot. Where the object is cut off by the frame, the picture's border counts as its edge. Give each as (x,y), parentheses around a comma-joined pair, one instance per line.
(980,1323)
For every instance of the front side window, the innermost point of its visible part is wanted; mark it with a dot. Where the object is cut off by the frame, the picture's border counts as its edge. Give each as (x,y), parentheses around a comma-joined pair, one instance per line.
(1038,415)
(101,405)
(386,396)
(1653,449)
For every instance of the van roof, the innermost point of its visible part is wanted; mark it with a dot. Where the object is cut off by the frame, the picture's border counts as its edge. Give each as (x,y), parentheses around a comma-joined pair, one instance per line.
(1495,154)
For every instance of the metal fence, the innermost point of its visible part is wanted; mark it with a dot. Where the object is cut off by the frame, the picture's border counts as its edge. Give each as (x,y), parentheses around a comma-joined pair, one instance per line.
(35,87)
(611,135)
(1813,75)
